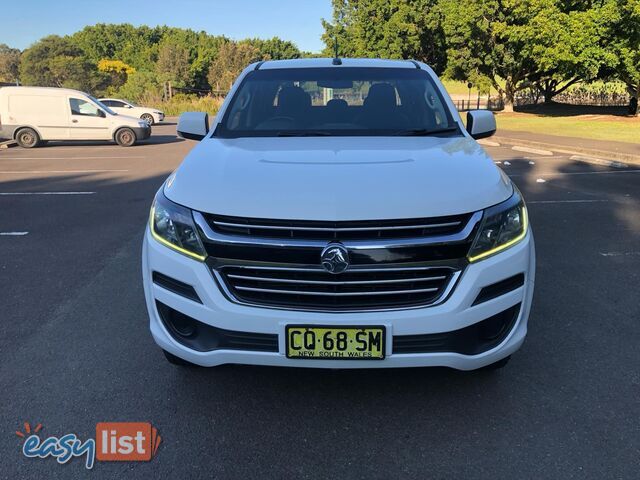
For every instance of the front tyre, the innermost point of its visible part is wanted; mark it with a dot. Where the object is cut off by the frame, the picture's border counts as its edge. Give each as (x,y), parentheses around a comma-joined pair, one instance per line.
(497,365)
(173,360)
(147,117)
(125,137)
(27,138)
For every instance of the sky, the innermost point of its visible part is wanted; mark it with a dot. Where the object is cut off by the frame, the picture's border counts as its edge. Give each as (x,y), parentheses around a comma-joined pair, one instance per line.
(295,20)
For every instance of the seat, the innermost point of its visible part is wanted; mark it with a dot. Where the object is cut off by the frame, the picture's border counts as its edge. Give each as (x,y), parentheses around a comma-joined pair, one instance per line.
(380,109)
(293,102)
(336,111)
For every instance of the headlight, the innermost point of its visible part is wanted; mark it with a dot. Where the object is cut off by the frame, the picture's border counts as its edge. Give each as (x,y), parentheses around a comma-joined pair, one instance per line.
(172,225)
(143,124)
(502,226)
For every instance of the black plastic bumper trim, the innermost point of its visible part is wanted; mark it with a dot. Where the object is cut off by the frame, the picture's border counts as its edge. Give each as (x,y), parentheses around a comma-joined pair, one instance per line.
(199,336)
(175,286)
(472,340)
(499,288)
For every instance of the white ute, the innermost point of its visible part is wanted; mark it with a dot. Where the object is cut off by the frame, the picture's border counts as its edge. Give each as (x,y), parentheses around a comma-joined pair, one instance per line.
(34,115)
(338,214)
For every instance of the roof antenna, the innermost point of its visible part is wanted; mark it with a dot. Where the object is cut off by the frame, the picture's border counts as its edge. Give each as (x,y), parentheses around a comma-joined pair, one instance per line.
(336,59)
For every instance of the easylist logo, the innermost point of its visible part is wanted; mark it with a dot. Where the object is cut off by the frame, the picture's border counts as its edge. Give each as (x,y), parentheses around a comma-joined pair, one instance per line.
(114,442)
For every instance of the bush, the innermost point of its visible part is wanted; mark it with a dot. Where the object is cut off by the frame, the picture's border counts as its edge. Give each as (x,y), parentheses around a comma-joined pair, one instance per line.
(181,103)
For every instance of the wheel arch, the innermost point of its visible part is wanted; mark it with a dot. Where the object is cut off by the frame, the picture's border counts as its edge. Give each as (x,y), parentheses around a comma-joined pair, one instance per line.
(117,129)
(14,135)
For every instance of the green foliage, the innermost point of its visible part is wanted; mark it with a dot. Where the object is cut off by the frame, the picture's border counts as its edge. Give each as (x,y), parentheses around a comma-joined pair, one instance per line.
(510,45)
(190,103)
(117,70)
(231,60)
(9,63)
(387,29)
(275,48)
(624,37)
(57,62)
(138,84)
(543,43)
(173,64)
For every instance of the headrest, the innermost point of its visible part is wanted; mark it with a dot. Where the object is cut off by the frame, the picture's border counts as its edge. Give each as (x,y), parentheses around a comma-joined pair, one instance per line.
(293,99)
(381,95)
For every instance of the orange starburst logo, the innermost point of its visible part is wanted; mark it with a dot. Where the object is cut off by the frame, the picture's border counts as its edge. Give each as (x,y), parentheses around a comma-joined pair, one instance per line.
(27,429)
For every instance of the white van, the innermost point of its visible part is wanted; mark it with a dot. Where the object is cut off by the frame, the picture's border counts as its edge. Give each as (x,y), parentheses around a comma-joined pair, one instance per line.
(34,115)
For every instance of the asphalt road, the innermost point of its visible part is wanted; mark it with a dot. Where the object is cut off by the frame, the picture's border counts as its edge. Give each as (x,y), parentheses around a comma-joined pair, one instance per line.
(75,348)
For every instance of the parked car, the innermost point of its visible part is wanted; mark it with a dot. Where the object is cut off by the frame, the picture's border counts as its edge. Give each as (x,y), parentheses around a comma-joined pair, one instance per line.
(338,215)
(35,115)
(149,115)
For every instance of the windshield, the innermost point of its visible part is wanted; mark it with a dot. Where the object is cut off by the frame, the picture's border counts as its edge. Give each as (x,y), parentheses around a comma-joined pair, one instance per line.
(102,105)
(336,101)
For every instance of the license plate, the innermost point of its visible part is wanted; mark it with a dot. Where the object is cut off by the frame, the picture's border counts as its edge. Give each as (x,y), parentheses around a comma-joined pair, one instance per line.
(335,343)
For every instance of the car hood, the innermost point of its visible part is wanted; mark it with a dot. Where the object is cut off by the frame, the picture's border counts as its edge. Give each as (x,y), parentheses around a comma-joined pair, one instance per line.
(338,178)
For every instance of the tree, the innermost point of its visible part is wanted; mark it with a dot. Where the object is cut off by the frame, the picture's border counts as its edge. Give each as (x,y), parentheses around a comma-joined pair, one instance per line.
(56,62)
(494,39)
(275,48)
(117,70)
(232,58)
(624,38)
(173,63)
(570,48)
(406,29)
(139,85)
(9,63)
(136,46)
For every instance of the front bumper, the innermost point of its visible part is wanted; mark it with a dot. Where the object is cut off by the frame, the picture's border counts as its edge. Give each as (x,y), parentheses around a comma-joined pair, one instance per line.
(142,133)
(454,314)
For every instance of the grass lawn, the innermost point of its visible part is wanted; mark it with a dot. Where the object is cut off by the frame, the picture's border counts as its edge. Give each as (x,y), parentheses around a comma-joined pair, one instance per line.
(596,127)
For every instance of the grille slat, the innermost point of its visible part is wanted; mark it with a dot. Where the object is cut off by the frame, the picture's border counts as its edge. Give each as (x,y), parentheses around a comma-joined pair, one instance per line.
(335,294)
(330,282)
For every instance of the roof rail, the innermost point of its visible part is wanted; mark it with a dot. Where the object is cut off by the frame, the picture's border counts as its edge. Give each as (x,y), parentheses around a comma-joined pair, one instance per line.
(415,63)
(258,65)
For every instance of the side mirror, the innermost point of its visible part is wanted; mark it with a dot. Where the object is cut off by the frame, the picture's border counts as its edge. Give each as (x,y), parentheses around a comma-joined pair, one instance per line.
(481,123)
(193,125)
(101,114)
(127,106)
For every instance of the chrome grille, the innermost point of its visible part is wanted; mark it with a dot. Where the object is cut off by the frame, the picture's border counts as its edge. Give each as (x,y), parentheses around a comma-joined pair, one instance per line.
(393,263)
(311,287)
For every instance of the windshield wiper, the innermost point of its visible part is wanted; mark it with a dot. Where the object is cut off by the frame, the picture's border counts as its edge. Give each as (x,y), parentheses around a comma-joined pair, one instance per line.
(309,133)
(422,132)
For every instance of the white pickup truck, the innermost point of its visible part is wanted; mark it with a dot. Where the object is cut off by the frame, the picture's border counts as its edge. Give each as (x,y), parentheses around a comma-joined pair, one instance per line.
(338,214)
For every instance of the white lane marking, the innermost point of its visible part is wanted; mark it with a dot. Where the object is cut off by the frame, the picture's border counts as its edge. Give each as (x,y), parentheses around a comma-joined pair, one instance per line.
(565,201)
(598,161)
(13,234)
(559,174)
(537,151)
(46,193)
(8,172)
(488,143)
(123,157)
(619,254)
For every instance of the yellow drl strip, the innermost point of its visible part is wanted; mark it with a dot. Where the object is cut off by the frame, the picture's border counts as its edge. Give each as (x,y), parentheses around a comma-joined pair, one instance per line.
(499,248)
(195,256)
